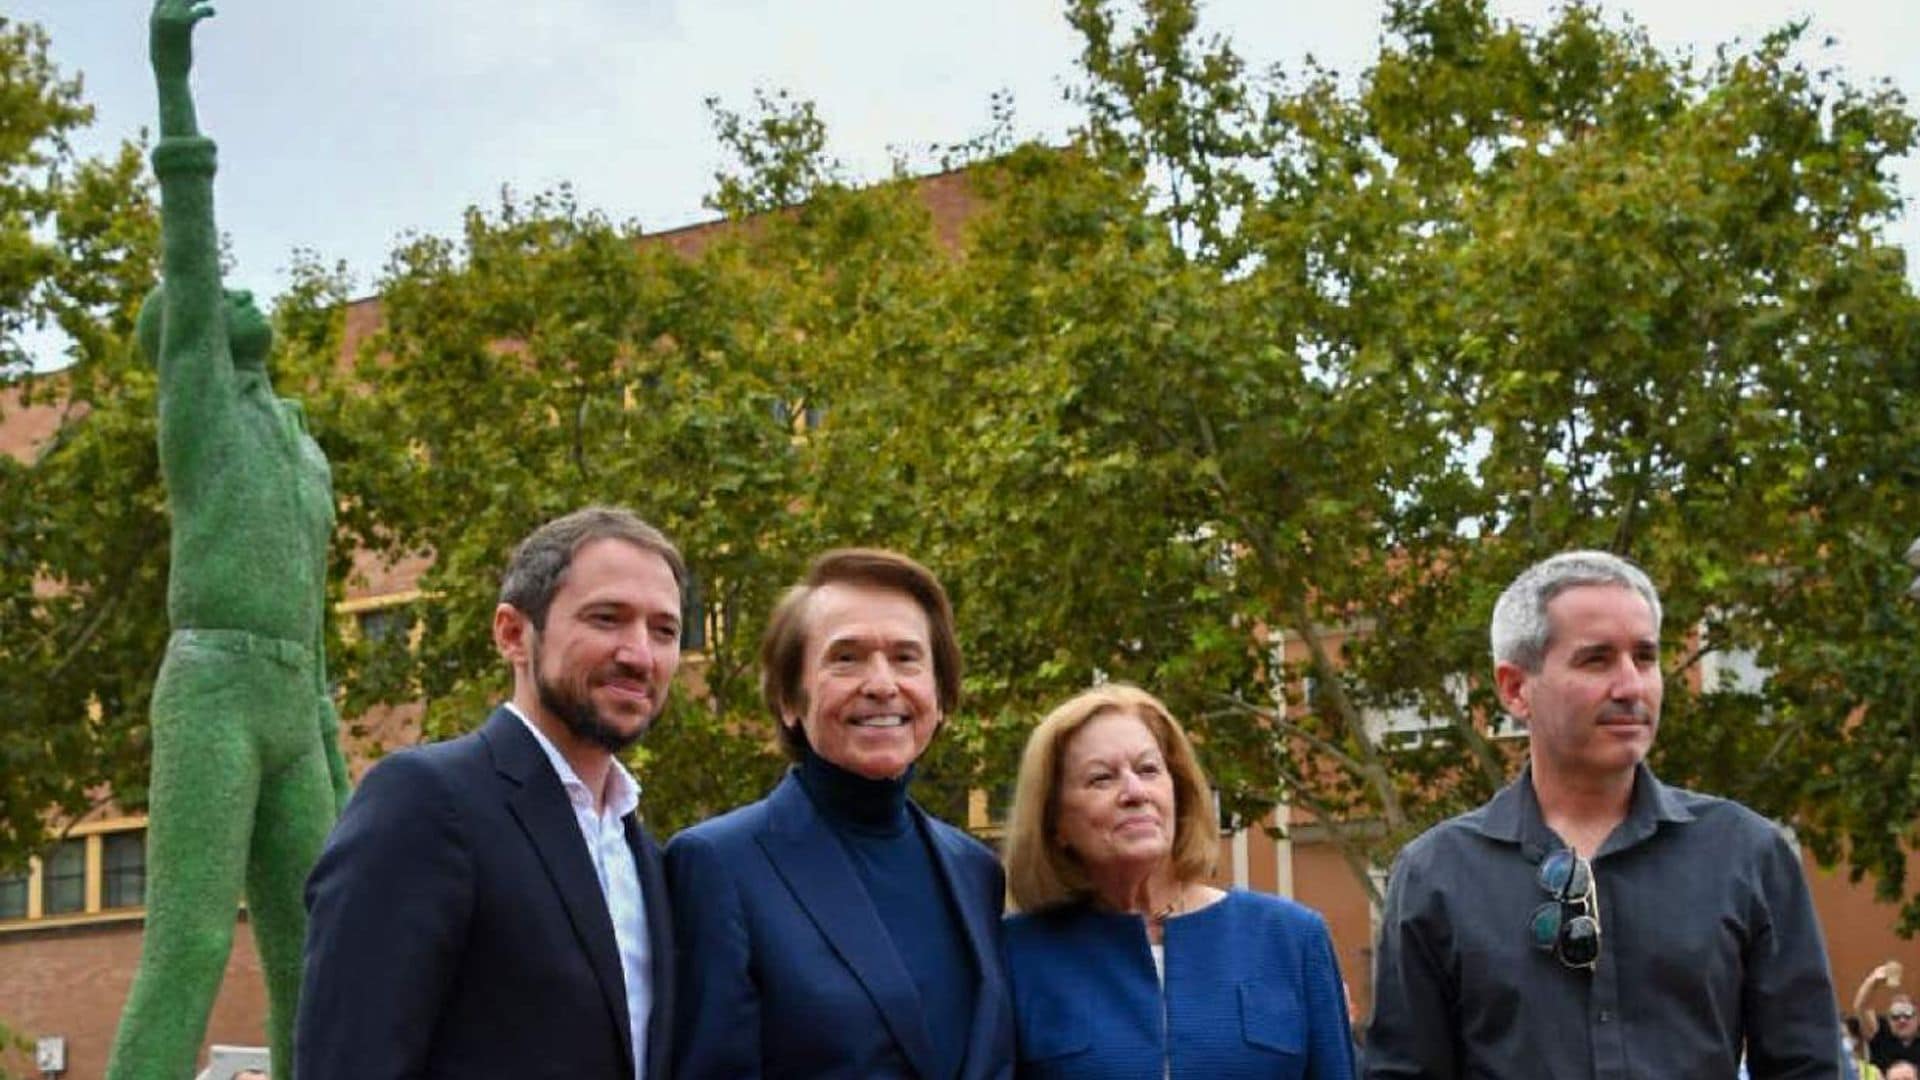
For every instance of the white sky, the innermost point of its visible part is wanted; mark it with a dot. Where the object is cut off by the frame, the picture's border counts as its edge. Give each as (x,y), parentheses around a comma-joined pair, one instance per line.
(345,123)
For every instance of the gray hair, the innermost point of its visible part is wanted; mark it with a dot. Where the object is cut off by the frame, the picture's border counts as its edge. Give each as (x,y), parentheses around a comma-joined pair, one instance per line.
(540,563)
(1520,625)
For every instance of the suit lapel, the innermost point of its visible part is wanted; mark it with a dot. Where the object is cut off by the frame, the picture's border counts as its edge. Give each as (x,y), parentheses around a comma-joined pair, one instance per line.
(979,926)
(653,894)
(811,861)
(539,804)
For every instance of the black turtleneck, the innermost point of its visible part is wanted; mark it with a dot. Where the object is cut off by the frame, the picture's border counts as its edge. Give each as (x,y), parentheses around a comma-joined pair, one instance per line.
(893,860)
(851,801)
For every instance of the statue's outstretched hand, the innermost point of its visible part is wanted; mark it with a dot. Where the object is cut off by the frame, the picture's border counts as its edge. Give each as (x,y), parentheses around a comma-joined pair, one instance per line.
(170,41)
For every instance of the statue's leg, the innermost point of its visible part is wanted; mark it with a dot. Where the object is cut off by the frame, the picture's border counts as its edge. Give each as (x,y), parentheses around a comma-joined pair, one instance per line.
(204,779)
(296,811)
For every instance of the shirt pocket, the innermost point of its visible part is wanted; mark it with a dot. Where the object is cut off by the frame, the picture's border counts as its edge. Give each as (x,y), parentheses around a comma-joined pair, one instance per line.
(1270,1018)
(1052,1026)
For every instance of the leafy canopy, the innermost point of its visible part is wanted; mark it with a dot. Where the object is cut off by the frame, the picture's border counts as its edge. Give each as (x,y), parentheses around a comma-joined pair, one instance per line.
(1256,391)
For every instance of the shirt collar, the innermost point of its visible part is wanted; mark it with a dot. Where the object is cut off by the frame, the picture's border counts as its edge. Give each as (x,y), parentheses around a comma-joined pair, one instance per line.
(623,791)
(1513,815)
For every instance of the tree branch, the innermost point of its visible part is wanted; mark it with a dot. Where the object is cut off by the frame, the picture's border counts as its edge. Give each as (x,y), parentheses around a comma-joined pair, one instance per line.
(143,546)
(1287,727)
(1337,829)
(580,436)
(1492,768)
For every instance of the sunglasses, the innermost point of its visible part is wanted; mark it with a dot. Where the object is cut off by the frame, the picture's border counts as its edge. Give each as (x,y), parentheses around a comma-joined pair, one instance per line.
(1900,1014)
(1568,926)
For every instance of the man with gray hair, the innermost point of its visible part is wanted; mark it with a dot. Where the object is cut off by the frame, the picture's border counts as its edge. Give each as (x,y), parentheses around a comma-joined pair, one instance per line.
(1590,921)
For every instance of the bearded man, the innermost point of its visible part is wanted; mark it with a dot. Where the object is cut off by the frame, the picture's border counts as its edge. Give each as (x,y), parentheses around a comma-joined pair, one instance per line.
(491,905)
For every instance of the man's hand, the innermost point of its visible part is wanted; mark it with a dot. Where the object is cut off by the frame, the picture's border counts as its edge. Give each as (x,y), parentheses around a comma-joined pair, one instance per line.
(1888,973)
(170,35)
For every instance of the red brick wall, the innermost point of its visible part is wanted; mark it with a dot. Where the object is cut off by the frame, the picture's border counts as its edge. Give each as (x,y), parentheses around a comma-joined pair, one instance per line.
(73,982)
(23,430)
(1859,931)
(1322,881)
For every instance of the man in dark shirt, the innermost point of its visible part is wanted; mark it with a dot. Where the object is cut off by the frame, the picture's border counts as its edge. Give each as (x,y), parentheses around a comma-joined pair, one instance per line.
(1898,1038)
(1590,921)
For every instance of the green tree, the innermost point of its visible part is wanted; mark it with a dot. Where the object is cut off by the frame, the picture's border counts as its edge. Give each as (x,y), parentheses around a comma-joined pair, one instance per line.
(545,361)
(1257,391)
(82,526)
(12,1044)
(707,385)
(38,109)
(1257,361)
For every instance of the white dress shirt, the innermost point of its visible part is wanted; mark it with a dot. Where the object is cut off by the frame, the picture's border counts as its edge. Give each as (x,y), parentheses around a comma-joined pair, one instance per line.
(613,863)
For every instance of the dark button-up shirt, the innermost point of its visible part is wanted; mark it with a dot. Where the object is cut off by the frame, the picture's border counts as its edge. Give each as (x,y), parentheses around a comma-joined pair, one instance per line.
(1708,945)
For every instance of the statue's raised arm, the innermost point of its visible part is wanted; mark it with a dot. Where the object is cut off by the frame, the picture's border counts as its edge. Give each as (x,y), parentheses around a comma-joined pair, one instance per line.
(247,775)
(183,326)
(170,47)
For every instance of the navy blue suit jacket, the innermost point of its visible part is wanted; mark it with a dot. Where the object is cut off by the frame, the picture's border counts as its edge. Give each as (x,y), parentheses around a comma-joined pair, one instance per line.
(786,969)
(456,927)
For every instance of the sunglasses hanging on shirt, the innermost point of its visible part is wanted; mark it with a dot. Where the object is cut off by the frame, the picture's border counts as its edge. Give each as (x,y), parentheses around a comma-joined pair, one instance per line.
(1568,926)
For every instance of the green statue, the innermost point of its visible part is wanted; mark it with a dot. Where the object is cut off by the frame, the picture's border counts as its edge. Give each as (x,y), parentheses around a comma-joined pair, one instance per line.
(247,773)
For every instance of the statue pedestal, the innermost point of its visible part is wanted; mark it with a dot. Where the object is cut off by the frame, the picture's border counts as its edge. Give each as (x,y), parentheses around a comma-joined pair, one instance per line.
(224,1061)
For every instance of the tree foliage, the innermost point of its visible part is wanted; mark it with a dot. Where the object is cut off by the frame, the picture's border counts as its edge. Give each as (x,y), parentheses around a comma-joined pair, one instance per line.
(1308,374)
(82,526)
(1360,356)
(1256,391)
(12,1045)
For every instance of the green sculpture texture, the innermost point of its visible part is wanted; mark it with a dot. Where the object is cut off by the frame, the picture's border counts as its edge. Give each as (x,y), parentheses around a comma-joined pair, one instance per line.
(247,774)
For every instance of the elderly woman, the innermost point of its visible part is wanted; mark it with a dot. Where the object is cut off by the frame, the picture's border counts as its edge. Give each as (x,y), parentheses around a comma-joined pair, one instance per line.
(1124,962)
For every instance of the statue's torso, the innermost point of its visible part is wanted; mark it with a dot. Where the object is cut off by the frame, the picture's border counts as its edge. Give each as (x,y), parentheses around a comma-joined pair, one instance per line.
(250,533)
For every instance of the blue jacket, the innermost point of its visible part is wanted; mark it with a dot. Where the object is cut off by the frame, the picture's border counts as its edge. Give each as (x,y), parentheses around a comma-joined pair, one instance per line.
(786,969)
(1252,990)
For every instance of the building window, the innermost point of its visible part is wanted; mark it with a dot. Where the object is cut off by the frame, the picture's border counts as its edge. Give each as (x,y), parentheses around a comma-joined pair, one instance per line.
(385,625)
(123,869)
(1407,726)
(693,621)
(798,416)
(63,878)
(13,896)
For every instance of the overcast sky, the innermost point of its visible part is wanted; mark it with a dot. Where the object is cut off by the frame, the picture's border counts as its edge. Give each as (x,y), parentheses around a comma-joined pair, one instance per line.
(344,124)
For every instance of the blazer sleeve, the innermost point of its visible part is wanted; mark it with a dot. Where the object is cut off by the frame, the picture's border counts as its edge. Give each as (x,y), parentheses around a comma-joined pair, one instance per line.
(717,1004)
(388,904)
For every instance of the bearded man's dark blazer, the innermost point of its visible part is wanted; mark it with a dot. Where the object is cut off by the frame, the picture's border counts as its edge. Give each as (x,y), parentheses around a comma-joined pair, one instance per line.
(456,927)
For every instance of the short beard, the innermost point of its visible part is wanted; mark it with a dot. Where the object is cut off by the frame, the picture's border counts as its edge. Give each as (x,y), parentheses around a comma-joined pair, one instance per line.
(583,720)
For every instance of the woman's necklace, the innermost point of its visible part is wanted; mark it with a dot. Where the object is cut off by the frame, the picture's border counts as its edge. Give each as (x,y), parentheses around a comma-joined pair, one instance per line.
(1174,907)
